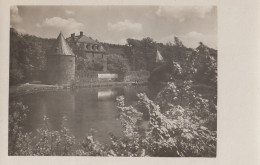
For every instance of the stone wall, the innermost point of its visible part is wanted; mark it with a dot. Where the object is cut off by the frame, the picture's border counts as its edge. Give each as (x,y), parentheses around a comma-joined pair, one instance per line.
(60,69)
(94,56)
(131,76)
(139,76)
(92,77)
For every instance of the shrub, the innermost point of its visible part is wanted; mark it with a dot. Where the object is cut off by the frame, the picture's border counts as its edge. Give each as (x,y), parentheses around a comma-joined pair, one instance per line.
(161,128)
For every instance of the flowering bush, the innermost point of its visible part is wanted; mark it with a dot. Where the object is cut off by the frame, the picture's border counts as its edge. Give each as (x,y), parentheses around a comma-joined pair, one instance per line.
(18,143)
(47,142)
(176,132)
(52,143)
(178,123)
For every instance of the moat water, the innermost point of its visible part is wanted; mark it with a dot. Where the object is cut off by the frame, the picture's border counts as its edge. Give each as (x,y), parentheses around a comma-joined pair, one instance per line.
(80,110)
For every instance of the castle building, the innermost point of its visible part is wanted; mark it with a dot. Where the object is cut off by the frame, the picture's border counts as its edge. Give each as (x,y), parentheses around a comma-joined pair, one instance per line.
(60,63)
(93,49)
(86,43)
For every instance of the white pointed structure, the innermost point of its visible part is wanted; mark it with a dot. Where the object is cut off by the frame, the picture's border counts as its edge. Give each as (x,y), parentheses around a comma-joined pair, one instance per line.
(159,57)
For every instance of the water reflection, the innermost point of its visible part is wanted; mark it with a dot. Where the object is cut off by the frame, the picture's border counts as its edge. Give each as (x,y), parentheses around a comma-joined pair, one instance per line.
(84,109)
(106,94)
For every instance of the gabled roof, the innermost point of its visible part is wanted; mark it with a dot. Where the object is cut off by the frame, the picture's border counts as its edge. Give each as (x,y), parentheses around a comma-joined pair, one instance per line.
(86,39)
(61,47)
(83,39)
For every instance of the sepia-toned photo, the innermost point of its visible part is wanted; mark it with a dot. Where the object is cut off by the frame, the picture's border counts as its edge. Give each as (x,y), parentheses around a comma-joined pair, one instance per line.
(122,81)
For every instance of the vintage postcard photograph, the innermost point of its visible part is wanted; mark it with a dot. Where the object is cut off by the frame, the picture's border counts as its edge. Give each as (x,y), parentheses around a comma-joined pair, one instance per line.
(121,81)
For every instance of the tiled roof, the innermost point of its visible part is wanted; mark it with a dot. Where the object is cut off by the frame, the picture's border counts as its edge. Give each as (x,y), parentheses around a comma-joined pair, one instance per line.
(60,47)
(86,39)
(83,39)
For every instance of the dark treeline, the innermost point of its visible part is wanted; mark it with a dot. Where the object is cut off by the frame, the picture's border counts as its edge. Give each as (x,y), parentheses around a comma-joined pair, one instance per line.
(180,62)
(28,59)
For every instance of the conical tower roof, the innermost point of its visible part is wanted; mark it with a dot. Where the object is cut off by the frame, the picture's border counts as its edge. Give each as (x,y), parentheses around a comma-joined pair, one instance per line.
(159,57)
(61,47)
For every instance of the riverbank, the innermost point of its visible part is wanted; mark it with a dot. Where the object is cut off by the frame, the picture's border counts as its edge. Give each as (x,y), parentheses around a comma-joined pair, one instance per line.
(28,88)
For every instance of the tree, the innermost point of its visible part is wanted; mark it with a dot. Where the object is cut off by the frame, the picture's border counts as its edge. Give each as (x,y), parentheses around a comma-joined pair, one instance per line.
(175,132)
(27,57)
(117,64)
(167,72)
(178,42)
(141,53)
(207,66)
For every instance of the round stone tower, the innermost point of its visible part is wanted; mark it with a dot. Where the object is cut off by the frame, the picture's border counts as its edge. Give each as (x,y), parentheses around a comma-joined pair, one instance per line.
(60,63)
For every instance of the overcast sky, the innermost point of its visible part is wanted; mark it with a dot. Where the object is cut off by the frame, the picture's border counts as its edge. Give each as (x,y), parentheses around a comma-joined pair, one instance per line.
(114,24)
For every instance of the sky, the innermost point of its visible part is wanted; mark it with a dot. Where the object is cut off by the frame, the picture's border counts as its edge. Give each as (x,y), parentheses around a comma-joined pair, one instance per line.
(114,24)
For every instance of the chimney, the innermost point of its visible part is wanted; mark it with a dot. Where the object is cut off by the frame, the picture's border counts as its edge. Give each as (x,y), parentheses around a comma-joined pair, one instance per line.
(81,33)
(72,36)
